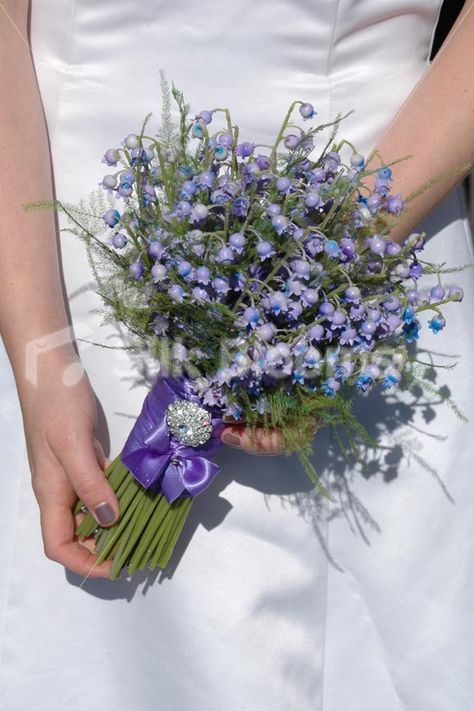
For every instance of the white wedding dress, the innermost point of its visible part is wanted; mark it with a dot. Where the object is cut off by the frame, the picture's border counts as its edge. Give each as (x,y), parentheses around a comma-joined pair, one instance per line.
(279,602)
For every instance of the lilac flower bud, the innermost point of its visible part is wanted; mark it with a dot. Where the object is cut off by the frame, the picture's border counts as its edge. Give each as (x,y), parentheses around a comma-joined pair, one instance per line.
(262,161)
(307,110)
(373,202)
(280,223)
(402,271)
(266,331)
(374,315)
(237,242)
(392,248)
(245,149)
(221,285)
(437,293)
(206,179)
(283,185)
(273,209)
(109,181)
(188,188)
(265,249)
(301,268)
(202,275)
(111,217)
(338,318)
(352,294)
(290,141)
(310,297)
(226,139)
(312,199)
(205,116)
(156,249)
(368,328)
(394,204)
(176,292)
(184,268)
(393,322)
(326,309)
(377,244)
(456,293)
(392,303)
(416,270)
(318,175)
(284,350)
(131,141)
(159,272)
(316,332)
(199,212)
(348,337)
(136,269)
(357,161)
(412,296)
(119,240)
(225,255)
(111,157)
(200,294)
(251,315)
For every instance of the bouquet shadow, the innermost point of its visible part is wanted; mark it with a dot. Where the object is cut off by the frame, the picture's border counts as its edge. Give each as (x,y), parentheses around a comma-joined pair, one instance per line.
(401,424)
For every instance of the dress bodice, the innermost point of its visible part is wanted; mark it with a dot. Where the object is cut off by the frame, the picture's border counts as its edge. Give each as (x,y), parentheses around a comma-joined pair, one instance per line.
(98,64)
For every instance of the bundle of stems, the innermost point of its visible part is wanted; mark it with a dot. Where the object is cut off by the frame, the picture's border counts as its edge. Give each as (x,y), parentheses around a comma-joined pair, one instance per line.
(146,531)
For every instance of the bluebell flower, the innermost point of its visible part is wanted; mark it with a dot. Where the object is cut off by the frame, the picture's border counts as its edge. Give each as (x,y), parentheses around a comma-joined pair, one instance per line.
(437,323)
(364,382)
(389,382)
(411,331)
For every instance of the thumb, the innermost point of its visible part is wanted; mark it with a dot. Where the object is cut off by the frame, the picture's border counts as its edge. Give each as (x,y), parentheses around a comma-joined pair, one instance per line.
(81,464)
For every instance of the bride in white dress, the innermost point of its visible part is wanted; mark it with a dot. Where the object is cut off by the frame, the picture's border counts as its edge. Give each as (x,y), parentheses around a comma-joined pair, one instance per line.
(279,602)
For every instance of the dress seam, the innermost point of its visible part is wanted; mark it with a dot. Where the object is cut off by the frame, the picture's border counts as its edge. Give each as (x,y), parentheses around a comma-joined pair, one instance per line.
(66,70)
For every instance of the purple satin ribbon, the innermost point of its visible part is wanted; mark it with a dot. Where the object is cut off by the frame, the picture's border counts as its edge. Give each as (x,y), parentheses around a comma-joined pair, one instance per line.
(158,460)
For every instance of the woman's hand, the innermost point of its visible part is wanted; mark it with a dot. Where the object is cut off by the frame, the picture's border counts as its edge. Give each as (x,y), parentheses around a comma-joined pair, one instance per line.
(260,441)
(66,462)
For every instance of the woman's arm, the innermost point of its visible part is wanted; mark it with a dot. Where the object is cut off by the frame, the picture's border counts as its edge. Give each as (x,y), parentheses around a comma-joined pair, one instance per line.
(435,125)
(59,419)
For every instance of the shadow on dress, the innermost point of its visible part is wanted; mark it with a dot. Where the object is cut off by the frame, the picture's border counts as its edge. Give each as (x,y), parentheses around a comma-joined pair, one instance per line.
(395,421)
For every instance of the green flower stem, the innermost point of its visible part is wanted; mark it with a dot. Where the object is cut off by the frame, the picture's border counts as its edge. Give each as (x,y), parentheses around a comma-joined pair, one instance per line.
(147,543)
(113,534)
(179,512)
(130,539)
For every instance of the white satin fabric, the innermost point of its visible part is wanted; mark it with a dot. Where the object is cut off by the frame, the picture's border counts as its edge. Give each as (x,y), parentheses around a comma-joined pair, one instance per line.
(279,602)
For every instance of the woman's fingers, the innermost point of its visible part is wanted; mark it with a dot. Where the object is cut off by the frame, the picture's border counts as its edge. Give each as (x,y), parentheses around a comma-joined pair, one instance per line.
(58,527)
(260,441)
(80,462)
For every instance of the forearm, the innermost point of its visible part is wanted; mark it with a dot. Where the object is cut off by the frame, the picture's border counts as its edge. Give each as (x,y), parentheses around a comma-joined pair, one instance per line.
(31,298)
(435,125)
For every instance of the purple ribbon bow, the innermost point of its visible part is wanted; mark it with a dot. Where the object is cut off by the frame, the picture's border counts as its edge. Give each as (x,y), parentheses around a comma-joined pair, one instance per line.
(156,459)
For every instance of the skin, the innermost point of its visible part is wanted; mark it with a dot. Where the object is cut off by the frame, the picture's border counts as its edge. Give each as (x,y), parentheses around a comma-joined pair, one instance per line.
(65,457)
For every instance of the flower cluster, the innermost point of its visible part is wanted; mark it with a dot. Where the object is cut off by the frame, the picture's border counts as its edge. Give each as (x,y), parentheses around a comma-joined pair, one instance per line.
(266,266)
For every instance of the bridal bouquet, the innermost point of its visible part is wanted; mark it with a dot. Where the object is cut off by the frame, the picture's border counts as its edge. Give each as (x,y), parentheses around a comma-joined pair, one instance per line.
(264,281)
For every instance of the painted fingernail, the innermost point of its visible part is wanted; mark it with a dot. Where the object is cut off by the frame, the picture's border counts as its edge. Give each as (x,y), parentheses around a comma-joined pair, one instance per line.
(104,513)
(232,439)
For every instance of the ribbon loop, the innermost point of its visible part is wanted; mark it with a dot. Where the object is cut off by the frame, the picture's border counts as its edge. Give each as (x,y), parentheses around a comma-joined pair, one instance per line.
(159,461)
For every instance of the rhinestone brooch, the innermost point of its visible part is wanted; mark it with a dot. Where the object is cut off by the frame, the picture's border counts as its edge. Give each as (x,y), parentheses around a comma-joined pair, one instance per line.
(189,423)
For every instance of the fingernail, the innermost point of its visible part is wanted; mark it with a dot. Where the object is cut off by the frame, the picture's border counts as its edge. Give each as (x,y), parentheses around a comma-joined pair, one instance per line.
(104,513)
(232,439)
